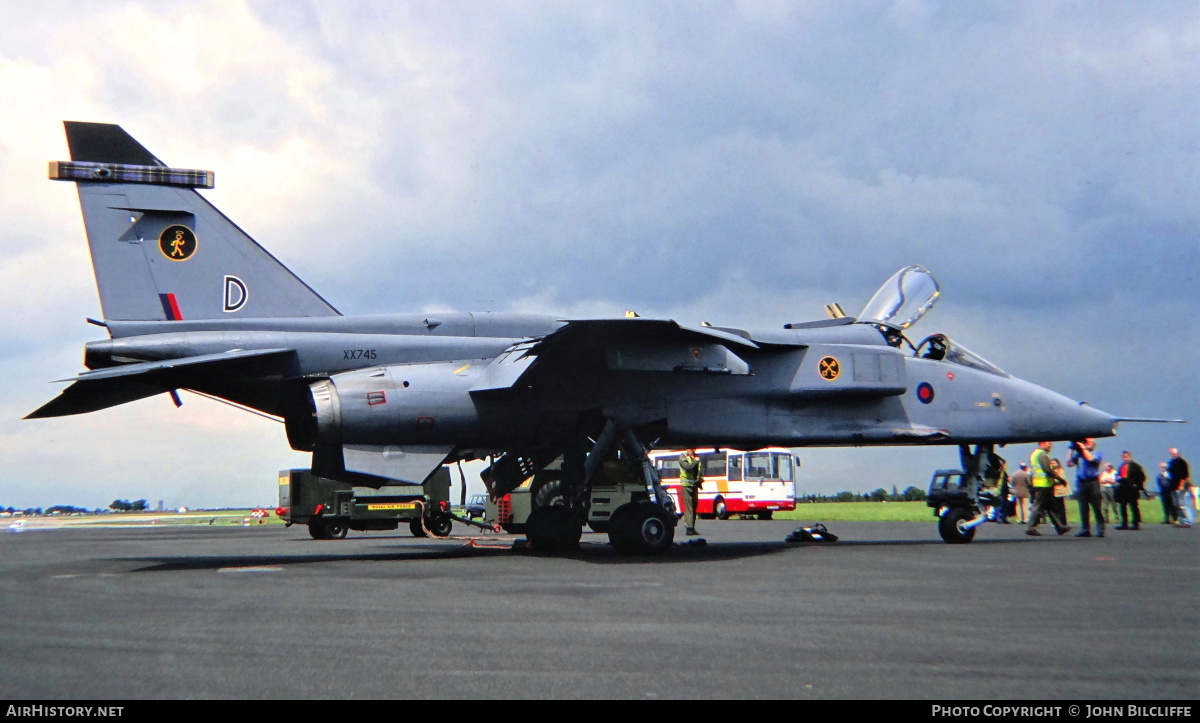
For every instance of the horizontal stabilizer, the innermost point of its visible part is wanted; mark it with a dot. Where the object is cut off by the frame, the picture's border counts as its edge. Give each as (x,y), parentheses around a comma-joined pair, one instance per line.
(81,398)
(208,361)
(112,386)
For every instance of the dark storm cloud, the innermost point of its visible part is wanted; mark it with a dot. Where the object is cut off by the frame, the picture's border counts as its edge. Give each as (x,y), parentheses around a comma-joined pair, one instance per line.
(600,143)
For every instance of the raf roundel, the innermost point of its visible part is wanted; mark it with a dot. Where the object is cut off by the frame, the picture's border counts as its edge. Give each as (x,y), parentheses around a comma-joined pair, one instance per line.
(177,242)
(925,392)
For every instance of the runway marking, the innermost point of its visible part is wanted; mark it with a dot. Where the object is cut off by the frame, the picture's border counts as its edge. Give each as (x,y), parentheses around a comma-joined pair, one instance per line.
(251,568)
(1106,559)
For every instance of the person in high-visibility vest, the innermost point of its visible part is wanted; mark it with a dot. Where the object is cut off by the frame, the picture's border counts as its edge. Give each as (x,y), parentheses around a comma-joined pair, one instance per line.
(1042,482)
(690,481)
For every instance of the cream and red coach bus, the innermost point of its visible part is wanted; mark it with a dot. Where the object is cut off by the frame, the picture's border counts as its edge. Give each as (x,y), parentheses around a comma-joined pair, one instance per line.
(756,483)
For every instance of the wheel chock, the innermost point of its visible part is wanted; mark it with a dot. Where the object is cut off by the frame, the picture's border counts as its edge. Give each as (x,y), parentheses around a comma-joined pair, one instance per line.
(816,533)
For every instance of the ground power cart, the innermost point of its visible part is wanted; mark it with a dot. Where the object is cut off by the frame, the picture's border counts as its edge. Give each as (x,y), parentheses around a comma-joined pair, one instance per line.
(331,508)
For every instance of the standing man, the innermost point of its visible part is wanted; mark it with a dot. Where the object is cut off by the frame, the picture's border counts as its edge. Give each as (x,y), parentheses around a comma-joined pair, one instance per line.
(1020,486)
(1131,482)
(1044,478)
(1108,488)
(1166,495)
(1086,461)
(1181,482)
(690,482)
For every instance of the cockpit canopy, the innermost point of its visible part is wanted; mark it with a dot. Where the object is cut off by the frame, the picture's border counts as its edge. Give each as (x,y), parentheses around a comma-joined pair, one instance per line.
(939,347)
(902,300)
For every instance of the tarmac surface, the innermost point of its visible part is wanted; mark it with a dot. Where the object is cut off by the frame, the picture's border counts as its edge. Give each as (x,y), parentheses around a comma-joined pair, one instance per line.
(887,612)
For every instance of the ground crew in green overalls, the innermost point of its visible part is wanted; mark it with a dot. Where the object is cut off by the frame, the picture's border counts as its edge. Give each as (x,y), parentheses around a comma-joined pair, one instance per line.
(1042,483)
(691,479)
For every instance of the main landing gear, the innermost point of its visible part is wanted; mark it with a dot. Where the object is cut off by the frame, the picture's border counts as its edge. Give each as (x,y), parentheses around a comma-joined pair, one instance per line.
(561,499)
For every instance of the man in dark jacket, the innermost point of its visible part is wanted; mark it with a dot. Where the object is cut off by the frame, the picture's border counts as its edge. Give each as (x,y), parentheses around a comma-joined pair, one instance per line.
(1181,482)
(1166,495)
(1131,483)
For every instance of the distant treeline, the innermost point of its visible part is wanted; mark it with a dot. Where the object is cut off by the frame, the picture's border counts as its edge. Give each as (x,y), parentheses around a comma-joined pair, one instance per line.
(911,494)
(115,506)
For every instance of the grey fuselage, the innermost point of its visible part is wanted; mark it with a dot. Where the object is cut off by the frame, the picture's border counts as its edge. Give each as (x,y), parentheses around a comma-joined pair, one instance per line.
(425,372)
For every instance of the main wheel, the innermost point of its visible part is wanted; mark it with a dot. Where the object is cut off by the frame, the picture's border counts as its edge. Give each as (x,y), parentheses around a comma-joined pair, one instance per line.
(553,529)
(720,509)
(950,526)
(547,490)
(642,528)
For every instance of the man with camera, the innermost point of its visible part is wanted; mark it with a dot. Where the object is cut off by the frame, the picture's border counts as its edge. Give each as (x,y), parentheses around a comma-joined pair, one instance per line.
(1086,461)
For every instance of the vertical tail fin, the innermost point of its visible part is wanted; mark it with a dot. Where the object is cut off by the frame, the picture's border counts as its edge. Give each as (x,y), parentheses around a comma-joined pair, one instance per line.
(160,250)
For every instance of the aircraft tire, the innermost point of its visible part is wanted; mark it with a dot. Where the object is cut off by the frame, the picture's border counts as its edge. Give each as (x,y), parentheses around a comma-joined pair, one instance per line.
(641,528)
(553,529)
(336,529)
(720,510)
(949,526)
(547,490)
(416,528)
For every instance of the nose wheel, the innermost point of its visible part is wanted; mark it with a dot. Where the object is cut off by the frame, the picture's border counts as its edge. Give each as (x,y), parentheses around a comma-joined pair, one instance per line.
(952,526)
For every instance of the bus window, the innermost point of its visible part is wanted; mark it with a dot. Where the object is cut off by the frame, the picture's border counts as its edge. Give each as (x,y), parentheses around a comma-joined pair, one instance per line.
(668,468)
(783,467)
(735,468)
(758,466)
(714,464)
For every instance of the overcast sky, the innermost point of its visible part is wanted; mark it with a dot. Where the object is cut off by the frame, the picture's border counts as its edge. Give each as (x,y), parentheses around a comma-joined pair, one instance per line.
(735,162)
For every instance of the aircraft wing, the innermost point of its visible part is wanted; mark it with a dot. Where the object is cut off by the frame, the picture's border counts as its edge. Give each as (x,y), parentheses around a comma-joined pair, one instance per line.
(108,387)
(633,344)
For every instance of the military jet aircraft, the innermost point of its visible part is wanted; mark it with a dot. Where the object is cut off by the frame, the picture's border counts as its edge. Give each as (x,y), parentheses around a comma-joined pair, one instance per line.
(191,302)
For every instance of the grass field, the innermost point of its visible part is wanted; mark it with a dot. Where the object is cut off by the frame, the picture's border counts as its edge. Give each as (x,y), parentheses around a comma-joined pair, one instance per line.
(918,512)
(149,519)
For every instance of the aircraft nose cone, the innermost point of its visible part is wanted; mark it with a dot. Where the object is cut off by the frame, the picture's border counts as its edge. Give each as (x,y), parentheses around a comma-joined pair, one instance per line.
(1092,422)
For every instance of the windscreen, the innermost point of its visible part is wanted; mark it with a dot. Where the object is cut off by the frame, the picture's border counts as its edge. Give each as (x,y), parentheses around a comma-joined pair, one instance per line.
(903,299)
(939,347)
(783,467)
